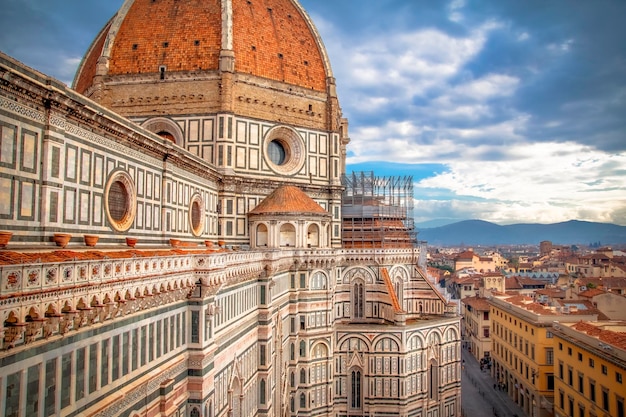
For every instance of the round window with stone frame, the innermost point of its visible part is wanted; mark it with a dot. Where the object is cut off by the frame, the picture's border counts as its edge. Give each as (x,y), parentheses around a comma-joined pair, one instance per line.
(284,150)
(196,215)
(120,201)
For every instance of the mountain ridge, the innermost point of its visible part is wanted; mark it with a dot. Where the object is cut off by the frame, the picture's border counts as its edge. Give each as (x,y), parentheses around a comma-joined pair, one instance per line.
(481,232)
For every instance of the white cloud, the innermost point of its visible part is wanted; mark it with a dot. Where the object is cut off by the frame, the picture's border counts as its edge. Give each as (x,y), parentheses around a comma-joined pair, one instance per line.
(487,87)
(542,182)
(454,8)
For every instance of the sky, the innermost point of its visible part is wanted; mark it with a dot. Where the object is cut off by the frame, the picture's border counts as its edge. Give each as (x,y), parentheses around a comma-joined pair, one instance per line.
(507,111)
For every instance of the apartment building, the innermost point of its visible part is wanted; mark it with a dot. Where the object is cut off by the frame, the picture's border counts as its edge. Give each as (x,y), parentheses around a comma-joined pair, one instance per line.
(590,368)
(523,349)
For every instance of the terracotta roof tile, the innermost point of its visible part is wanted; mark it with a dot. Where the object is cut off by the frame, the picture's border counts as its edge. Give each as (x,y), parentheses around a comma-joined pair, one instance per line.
(602,332)
(288,199)
(478,303)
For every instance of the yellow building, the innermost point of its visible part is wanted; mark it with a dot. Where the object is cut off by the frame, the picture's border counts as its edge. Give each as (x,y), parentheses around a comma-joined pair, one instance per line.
(477,326)
(523,350)
(590,367)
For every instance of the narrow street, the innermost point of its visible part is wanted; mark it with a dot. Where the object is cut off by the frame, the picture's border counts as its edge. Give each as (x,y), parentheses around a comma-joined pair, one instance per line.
(479,397)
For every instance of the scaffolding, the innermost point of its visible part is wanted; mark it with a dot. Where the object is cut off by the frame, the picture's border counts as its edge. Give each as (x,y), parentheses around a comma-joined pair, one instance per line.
(377,212)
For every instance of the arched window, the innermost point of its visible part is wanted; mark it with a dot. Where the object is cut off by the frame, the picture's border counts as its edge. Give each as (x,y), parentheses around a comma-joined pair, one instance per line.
(194,413)
(261,235)
(355,389)
(302,400)
(313,236)
(318,281)
(235,398)
(398,287)
(358,295)
(287,235)
(292,405)
(302,349)
(292,352)
(292,380)
(302,376)
(262,392)
(433,380)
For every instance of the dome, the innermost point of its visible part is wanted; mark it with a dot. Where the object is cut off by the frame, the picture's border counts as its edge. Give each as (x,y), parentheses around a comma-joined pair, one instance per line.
(271,39)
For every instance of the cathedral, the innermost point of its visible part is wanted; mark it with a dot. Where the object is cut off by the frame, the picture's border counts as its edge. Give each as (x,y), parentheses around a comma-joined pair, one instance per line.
(181,238)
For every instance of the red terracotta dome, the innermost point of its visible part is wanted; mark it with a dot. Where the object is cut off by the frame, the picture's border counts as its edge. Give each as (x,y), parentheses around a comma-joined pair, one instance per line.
(272,39)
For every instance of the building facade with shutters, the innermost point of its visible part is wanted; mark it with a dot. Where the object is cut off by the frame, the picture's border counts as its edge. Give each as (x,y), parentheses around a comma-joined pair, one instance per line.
(207,159)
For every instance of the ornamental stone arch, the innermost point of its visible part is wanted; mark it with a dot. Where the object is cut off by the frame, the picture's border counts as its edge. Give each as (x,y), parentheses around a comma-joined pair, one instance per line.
(358,272)
(166,128)
(451,335)
(350,342)
(399,272)
(319,349)
(319,280)
(415,342)
(387,343)
(433,342)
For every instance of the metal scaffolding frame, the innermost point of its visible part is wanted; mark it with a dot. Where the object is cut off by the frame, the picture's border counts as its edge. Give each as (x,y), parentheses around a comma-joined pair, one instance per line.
(377,212)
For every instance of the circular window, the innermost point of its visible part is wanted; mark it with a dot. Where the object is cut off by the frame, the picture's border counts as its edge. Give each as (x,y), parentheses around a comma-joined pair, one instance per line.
(120,201)
(276,152)
(284,150)
(196,215)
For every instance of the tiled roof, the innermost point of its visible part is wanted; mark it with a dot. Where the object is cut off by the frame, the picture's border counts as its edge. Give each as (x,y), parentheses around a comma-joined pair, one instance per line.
(478,303)
(552,292)
(529,304)
(591,292)
(605,282)
(288,199)
(601,331)
(469,255)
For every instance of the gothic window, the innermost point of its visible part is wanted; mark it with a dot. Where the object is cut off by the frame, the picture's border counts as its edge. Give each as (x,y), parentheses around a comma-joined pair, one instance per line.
(398,288)
(302,376)
(318,281)
(355,388)
(433,380)
(292,380)
(235,399)
(292,352)
(302,400)
(358,295)
(302,349)
(262,392)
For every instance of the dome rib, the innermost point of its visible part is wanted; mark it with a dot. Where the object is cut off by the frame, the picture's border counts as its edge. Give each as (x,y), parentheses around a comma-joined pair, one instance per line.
(272,39)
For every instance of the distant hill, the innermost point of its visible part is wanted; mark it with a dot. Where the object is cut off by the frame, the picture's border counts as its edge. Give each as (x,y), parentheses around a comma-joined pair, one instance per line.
(479,232)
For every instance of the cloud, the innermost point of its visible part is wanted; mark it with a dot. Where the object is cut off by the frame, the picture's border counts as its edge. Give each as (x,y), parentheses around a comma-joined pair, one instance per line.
(541,182)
